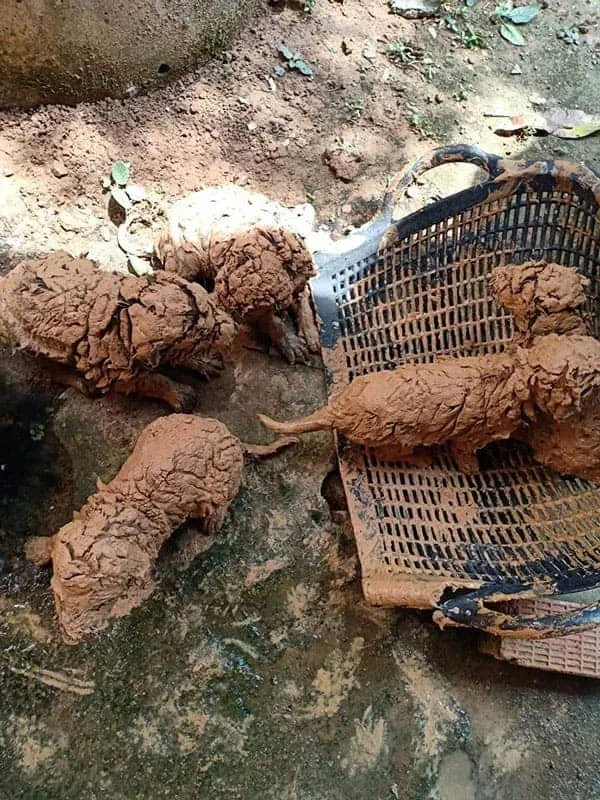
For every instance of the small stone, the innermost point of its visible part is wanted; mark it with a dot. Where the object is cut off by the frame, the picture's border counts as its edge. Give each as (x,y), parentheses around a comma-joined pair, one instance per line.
(59,170)
(347,209)
(412,192)
(347,46)
(252,126)
(7,172)
(438,98)
(516,70)
(369,52)
(195,107)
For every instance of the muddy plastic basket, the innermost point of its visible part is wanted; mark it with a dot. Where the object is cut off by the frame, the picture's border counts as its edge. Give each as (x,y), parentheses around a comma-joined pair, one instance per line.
(576,654)
(434,537)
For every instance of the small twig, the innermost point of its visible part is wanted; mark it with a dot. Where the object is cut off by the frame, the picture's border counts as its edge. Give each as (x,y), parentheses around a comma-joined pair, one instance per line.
(58,680)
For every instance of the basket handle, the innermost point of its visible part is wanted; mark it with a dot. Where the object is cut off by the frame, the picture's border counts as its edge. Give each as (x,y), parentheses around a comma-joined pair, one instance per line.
(499,169)
(456,153)
(469,611)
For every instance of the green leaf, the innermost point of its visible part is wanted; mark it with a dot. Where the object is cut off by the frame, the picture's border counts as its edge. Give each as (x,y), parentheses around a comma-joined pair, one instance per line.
(120,173)
(523,14)
(303,67)
(120,197)
(140,266)
(285,52)
(511,34)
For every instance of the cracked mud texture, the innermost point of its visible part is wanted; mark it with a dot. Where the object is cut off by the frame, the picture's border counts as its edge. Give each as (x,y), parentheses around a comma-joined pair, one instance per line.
(542,297)
(181,467)
(113,329)
(470,402)
(249,251)
(211,690)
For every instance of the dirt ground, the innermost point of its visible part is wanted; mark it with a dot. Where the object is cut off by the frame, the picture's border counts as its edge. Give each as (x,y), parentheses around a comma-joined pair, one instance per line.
(256,670)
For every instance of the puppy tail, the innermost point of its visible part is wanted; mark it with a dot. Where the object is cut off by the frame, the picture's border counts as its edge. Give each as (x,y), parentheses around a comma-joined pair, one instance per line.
(319,421)
(254,452)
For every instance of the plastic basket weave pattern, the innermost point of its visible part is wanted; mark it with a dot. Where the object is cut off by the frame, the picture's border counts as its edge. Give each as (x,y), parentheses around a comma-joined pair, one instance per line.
(577,654)
(433,536)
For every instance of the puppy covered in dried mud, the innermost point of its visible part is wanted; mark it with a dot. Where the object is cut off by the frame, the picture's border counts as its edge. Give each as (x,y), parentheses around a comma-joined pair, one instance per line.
(248,250)
(182,467)
(105,331)
(546,298)
(470,402)
(545,393)
(542,297)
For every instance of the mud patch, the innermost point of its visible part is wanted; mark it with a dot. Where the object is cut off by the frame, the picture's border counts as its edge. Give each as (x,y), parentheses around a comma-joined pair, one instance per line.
(23,621)
(367,745)
(34,744)
(455,781)
(440,715)
(335,680)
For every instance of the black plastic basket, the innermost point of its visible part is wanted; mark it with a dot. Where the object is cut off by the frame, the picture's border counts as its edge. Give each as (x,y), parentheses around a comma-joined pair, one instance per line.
(434,537)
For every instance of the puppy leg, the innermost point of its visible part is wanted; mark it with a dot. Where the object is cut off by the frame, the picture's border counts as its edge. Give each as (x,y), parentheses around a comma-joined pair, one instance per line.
(68,377)
(291,346)
(466,459)
(152,384)
(307,323)
(418,456)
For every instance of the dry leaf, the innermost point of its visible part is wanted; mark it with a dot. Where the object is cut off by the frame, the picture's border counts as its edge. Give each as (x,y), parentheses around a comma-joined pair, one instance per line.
(562,122)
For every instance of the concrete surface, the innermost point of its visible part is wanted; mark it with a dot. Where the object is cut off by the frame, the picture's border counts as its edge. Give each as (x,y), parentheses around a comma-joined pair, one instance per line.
(76,50)
(255,671)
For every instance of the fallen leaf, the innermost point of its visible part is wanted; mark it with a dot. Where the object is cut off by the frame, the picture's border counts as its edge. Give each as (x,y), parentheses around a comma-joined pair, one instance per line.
(523,14)
(564,123)
(413,9)
(285,51)
(511,34)
(120,173)
(302,67)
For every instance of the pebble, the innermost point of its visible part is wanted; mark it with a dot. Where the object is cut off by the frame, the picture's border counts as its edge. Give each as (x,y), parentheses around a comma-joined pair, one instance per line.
(58,169)
(516,70)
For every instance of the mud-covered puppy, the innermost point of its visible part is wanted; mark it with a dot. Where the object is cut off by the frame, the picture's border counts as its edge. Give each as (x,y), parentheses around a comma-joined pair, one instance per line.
(469,402)
(105,331)
(181,467)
